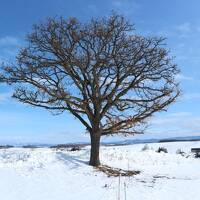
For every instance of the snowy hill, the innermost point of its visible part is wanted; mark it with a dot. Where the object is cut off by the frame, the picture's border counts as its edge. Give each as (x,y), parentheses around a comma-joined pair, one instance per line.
(50,174)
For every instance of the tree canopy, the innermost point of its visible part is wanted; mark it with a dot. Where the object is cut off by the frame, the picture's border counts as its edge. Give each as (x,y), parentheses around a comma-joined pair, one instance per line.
(104,74)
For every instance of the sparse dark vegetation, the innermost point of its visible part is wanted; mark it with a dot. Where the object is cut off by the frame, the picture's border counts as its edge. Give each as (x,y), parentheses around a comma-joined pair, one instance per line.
(162,149)
(196,152)
(71,147)
(145,147)
(115,172)
(6,146)
(179,151)
(75,148)
(30,146)
(197,155)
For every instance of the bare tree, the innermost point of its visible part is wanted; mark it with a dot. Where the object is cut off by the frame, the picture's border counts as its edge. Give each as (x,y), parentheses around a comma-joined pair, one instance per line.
(101,72)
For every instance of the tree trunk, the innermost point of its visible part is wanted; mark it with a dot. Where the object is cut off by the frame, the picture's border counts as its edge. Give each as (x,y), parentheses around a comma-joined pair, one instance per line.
(94,152)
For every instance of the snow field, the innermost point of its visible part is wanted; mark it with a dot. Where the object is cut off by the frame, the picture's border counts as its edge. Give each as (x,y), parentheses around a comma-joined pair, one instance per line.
(48,174)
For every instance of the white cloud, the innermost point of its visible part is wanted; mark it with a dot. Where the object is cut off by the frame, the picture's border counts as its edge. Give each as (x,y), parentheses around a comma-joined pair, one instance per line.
(181,114)
(9,47)
(176,124)
(180,31)
(125,6)
(181,77)
(171,119)
(191,96)
(4,96)
(92,8)
(184,28)
(198,28)
(9,41)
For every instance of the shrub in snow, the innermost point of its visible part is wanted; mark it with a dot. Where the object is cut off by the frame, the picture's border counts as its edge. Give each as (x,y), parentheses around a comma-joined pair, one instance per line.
(162,149)
(179,151)
(75,148)
(197,155)
(145,147)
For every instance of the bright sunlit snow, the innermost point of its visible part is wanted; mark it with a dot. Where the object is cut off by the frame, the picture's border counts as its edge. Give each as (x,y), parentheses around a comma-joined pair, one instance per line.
(48,174)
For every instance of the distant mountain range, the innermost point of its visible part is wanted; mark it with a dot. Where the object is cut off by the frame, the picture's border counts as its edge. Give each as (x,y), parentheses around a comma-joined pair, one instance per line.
(144,141)
(117,143)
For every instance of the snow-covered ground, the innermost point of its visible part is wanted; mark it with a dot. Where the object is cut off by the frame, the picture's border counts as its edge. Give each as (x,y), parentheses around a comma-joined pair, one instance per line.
(48,174)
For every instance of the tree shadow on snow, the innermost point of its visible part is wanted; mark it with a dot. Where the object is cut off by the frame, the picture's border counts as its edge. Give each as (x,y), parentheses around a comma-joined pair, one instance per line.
(69,160)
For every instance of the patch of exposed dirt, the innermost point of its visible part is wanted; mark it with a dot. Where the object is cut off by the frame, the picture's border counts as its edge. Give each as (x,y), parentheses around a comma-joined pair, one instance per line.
(115,172)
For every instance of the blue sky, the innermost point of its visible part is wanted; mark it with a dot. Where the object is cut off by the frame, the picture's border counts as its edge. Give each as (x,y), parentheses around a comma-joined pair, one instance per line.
(177,20)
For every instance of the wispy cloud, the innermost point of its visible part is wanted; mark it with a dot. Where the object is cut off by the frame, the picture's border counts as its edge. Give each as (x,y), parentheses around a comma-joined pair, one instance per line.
(92,8)
(9,46)
(176,124)
(184,30)
(125,6)
(4,97)
(9,41)
(192,96)
(171,118)
(181,77)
